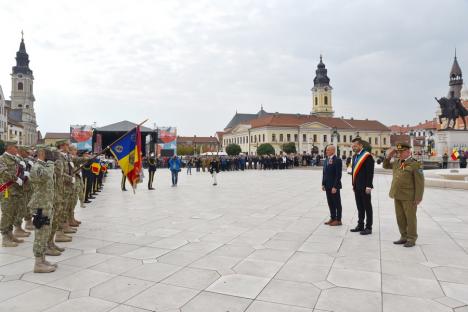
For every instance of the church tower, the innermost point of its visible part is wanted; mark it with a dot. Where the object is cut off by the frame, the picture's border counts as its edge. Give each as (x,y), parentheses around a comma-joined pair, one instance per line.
(456,81)
(22,96)
(322,92)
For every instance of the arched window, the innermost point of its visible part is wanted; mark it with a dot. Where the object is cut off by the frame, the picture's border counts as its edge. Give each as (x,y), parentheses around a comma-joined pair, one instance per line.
(20,86)
(316,101)
(326,100)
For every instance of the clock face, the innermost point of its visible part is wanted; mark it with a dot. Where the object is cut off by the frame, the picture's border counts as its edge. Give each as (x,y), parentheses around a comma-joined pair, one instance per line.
(20,76)
(326,89)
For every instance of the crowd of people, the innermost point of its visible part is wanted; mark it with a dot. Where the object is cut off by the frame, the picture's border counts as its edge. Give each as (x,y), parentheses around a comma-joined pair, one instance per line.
(42,187)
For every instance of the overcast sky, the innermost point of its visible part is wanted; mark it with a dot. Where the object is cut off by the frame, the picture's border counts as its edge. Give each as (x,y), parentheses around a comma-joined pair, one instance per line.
(192,64)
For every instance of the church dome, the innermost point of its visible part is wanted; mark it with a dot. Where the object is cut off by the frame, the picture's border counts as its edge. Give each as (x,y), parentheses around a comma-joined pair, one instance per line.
(464,93)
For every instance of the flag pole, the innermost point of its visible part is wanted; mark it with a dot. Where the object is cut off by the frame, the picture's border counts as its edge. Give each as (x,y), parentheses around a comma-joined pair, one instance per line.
(109,146)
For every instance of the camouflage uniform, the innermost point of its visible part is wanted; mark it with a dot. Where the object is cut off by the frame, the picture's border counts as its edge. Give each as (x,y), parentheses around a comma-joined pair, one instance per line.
(59,194)
(11,199)
(42,182)
(23,211)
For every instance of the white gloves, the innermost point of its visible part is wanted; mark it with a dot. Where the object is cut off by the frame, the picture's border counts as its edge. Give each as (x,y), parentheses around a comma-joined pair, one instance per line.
(72,164)
(26,173)
(73,180)
(23,164)
(30,163)
(19,181)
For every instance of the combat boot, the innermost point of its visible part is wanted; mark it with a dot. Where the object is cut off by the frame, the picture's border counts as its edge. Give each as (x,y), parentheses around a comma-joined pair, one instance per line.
(82,205)
(7,242)
(67,229)
(52,252)
(15,239)
(19,232)
(76,221)
(28,225)
(49,263)
(52,245)
(73,223)
(60,237)
(41,267)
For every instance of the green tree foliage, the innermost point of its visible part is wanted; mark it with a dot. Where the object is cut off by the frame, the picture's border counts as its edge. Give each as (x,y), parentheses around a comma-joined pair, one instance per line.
(183,150)
(265,149)
(289,148)
(233,149)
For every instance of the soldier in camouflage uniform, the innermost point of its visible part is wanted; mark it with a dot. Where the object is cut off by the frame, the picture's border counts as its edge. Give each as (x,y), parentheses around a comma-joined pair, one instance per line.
(407,191)
(78,189)
(69,191)
(59,202)
(10,198)
(42,199)
(23,211)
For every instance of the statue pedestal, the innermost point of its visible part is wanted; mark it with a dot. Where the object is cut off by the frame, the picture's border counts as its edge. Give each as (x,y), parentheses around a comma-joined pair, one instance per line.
(446,140)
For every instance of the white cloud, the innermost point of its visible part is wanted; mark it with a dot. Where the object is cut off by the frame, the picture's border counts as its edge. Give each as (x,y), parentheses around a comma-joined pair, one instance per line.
(191,64)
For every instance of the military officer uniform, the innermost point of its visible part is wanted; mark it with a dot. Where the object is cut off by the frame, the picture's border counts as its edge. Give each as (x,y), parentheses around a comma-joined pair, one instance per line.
(42,204)
(151,171)
(407,190)
(23,211)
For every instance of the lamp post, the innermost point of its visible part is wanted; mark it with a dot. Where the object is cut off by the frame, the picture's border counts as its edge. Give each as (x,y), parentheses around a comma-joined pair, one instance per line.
(336,135)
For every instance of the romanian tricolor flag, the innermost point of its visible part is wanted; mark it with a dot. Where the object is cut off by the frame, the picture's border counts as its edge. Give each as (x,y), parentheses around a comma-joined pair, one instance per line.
(454,154)
(127,151)
(358,162)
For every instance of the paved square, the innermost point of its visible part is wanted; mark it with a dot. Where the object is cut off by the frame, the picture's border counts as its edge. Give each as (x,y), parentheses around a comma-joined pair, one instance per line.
(255,243)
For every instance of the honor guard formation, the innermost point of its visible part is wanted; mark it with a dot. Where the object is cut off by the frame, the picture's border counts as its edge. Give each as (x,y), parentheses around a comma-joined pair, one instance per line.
(41,187)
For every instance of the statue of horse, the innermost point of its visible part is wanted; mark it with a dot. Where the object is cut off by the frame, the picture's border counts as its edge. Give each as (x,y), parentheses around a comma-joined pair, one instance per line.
(451,109)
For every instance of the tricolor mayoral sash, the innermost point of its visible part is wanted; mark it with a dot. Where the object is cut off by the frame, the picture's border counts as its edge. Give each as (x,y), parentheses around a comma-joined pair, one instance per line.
(359,162)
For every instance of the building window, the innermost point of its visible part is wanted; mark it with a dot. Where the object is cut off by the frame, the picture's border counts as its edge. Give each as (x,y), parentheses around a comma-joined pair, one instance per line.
(263,138)
(315,138)
(344,139)
(273,137)
(326,100)
(20,86)
(304,138)
(325,138)
(295,137)
(350,138)
(385,141)
(338,138)
(370,140)
(376,140)
(344,152)
(281,137)
(288,137)
(316,101)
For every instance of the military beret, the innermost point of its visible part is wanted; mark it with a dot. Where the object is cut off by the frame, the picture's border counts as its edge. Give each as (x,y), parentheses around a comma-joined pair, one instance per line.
(401,146)
(40,147)
(10,143)
(61,142)
(24,148)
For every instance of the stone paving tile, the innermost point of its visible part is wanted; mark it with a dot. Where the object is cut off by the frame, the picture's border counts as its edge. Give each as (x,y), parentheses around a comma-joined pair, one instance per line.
(213,302)
(234,239)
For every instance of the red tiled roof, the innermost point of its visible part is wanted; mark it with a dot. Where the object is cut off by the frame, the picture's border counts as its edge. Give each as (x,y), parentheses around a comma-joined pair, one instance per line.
(57,135)
(196,139)
(295,120)
(427,125)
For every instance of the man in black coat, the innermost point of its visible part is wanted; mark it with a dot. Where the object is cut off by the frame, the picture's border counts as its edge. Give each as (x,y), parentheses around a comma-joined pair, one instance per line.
(331,184)
(362,177)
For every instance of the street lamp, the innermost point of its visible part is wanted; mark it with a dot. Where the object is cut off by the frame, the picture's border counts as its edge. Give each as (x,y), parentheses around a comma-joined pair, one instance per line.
(336,135)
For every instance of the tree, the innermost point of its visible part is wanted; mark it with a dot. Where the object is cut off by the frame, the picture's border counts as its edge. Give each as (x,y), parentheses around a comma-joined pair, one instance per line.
(289,148)
(183,150)
(233,149)
(2,147)
(265,149)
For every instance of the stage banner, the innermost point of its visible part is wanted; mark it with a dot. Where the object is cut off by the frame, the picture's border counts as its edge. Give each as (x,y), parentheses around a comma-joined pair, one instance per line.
(167,141)
(81,136)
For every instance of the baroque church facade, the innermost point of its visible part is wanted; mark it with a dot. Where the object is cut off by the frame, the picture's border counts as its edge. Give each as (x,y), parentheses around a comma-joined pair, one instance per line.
(310,133)
(18,119)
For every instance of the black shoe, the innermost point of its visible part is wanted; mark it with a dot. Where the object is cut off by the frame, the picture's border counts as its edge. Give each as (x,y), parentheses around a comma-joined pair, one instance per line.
(151,188)
(409,244)
(366,232)
(91,197)
(400,242)
(357,229)
(87,201)
(124,190)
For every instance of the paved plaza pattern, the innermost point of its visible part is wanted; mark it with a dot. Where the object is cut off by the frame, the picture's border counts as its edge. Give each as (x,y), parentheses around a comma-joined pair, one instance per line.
(255,243)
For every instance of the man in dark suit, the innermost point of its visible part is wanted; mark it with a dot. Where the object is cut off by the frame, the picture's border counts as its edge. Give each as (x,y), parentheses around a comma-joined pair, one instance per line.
(331,184)
(362,177)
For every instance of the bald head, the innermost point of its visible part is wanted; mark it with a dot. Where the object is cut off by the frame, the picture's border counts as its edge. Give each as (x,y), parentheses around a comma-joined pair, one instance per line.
(330,151)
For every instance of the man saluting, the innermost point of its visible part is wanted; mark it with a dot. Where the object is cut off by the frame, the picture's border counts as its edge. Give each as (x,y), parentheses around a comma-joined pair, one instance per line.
(407,191)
